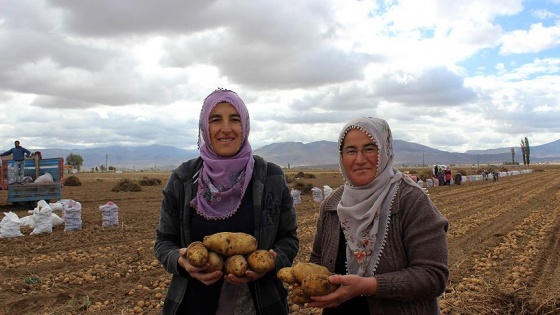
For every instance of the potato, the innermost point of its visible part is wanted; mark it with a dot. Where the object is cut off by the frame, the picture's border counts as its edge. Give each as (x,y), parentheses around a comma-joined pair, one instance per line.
(216,262)
(301,270)
(231,243)
(286,275)
(261,261)
(317,284)
(236,265)
(197,254)
(298,297)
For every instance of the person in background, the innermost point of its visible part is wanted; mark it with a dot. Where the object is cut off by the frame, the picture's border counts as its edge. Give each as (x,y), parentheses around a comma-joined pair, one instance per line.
(228,189)
(441,176)
(379,233)
(447,174)
(458,179)
(19,154)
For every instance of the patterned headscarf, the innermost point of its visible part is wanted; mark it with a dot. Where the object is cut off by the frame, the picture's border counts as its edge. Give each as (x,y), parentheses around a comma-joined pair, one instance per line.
(364,210)
(222,181)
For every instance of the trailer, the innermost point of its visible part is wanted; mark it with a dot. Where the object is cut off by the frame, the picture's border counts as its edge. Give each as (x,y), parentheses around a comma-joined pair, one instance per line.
(30,193)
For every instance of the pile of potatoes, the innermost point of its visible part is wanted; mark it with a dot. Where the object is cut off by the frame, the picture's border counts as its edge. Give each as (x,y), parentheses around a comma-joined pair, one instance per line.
(239,250)
(308,279)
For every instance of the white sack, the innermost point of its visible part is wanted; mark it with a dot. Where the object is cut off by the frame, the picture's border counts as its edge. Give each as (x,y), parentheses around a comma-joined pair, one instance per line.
(45,178)
(110,214)
(10,225)
(43,220)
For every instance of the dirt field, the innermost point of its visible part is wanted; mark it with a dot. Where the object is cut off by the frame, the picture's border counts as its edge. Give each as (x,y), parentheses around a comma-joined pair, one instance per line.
(504,249)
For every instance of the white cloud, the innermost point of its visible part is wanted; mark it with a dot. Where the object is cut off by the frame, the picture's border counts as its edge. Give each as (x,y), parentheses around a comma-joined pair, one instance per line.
(533,40)
(451,75)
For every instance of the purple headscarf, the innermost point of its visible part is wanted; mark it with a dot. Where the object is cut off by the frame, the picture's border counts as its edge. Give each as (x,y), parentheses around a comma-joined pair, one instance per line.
(222,181)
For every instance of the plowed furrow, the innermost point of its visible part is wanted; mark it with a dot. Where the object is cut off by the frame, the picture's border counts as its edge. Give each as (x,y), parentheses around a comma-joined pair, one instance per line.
(483,194)
(488,229)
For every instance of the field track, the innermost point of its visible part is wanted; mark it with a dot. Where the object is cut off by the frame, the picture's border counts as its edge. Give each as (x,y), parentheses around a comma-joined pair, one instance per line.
(504,246)
(504,249)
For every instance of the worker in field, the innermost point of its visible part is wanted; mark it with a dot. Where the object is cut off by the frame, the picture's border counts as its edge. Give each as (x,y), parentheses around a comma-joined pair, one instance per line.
(19,154)
(379,234)
(441,175)
(458,178)
(226,189)
(447,174)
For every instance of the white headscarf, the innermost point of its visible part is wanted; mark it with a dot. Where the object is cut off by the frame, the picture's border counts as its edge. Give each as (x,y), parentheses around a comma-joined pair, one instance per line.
(364,210)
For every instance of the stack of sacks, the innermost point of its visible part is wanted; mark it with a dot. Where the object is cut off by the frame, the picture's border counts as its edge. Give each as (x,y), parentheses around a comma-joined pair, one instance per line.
(72,214)
(110,214)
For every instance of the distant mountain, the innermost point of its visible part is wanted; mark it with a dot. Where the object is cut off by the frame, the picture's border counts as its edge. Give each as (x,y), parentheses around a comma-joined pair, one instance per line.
(319,154)
(295,154)
(544,151)
(325,154)
(145,157)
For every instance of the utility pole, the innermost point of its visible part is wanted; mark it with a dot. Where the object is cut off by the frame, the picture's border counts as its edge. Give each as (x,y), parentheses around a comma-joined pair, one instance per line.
(106,157)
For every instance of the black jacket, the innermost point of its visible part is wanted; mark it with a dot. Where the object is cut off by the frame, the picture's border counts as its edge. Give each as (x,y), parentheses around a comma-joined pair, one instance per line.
(275,228)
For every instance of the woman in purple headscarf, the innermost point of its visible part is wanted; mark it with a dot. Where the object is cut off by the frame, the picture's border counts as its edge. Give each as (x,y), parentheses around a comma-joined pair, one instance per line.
(379,232)
(226,189)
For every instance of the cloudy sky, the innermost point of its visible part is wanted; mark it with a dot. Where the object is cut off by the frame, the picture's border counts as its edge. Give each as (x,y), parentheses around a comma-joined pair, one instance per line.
(453,75)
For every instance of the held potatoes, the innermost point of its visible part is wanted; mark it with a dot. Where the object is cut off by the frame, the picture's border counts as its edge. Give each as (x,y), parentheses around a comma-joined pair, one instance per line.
(318,284)
(261,261)
(236,265)
(197,254)
(301,270)
(298,297)
(231,243)
(286,275)
(216,262)
(309,279)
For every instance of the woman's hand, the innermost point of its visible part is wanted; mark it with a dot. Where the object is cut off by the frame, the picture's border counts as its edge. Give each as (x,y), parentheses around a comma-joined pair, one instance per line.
(249,276)
(198,273)
(350,286)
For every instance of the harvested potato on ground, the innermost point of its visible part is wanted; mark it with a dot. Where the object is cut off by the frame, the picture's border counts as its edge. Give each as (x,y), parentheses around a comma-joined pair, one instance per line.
(298,297)
(236,265)
(301,270)
(286,275)
(216,262)
(197,254)
(317,284)
(261,261)
(231,243)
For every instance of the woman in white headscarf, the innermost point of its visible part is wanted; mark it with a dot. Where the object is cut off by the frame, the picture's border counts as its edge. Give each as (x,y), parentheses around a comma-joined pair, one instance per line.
(379,232)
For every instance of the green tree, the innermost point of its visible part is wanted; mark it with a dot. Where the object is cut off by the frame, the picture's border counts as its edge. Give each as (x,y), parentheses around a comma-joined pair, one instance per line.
(75,160)
(512,156)
(527,151)
(523,152)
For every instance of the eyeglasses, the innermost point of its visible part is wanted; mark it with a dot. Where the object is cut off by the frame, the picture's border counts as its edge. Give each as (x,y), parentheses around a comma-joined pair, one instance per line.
(367,150)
